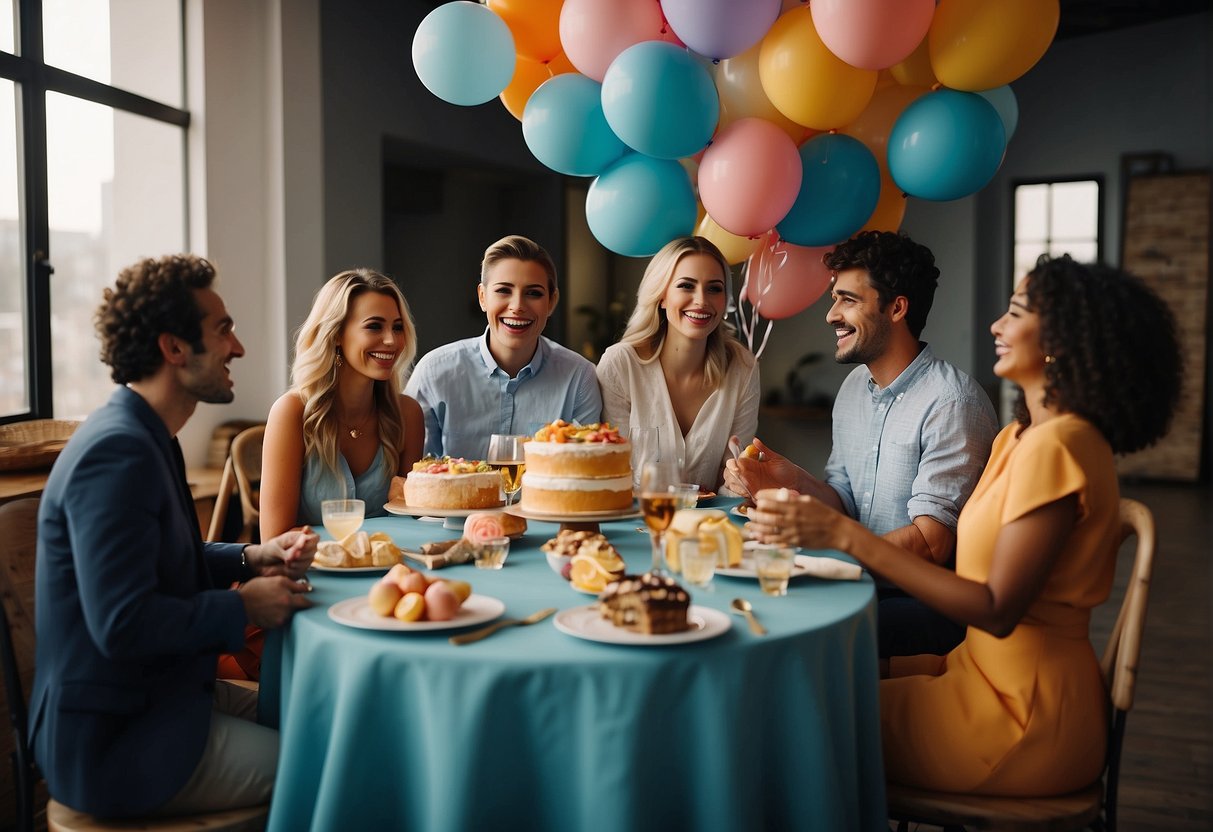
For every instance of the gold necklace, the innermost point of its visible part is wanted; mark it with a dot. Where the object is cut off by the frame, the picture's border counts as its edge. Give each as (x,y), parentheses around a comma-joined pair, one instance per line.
(354,432)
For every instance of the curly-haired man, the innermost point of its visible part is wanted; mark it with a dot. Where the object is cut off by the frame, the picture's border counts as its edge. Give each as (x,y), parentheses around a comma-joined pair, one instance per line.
(911,432)
(132,609)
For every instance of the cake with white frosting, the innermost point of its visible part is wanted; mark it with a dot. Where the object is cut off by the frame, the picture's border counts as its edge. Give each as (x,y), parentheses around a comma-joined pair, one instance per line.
(575,469)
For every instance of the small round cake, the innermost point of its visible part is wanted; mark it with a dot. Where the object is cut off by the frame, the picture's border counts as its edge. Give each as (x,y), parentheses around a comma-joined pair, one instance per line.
(577,469)
(452,484)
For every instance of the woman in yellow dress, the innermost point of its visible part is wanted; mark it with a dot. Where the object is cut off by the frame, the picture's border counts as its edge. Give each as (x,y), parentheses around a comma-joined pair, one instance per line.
(1019,707)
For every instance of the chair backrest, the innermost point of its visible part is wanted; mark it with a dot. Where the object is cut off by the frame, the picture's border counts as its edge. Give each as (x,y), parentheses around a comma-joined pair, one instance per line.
(246,462)
(18,542)
(1121,655)
(227,481)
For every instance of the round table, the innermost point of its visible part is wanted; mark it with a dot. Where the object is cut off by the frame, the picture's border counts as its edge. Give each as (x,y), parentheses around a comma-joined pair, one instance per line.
(539,730)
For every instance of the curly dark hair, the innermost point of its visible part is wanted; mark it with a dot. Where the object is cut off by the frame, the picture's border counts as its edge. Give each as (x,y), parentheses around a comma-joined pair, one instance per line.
(896,266)
(1112,339)
(152,296)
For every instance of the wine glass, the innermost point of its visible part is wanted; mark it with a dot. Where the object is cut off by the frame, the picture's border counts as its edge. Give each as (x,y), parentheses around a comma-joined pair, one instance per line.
(658,502)
(342,518)
(646,447)
(506,455)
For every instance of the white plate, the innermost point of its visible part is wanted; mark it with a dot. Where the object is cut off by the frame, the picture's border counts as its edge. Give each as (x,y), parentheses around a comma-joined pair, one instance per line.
(403,509)
(350,570)
(356,612)
(746,570)
(741,510)
(587,623)
(582,517)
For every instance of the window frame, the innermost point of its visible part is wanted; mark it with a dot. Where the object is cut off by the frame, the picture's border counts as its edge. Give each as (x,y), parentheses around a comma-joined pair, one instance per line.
(34,79)
(1097,178)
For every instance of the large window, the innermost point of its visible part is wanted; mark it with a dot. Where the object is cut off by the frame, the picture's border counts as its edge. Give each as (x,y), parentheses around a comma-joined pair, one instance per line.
(92,177)
(1056,218)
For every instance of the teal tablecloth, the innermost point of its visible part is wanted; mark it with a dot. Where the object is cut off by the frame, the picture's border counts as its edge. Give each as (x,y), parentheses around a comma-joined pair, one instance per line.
(534,729)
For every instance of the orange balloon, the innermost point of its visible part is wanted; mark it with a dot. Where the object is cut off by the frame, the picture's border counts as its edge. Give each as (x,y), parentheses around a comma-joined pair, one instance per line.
(876,122)
(742,96)
(528,75)
(915,71)
(884,78)
(736,249)
(890,208)
(982,44)
(806,81)
(535,25)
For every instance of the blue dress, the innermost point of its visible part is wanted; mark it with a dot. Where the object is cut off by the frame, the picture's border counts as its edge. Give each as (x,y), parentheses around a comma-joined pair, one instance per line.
(319,484)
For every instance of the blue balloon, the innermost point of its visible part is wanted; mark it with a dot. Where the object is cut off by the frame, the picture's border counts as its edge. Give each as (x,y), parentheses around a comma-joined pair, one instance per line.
(564,127)
(1004,101)
(838,192)
(464,53)
(639,204)
(660,100)
(946,145)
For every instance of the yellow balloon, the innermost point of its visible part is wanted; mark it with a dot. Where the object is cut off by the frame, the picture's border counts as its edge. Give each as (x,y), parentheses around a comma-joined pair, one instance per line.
(890,208)
(741,95)
(528,75)
(735,249)
(805,80)
(915,71)
(981,44)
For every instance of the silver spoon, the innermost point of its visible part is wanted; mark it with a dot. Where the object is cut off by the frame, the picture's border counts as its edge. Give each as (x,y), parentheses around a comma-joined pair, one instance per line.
(742,607)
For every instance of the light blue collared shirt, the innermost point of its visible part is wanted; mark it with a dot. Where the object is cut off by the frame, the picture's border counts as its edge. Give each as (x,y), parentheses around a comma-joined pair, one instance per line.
(915,448)
(466,397)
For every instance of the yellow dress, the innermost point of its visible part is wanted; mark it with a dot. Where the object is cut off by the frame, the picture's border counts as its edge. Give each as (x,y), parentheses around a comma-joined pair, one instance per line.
(1024,715)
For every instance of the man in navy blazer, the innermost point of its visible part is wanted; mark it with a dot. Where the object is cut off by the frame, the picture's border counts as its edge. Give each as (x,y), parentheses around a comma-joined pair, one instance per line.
(132,608)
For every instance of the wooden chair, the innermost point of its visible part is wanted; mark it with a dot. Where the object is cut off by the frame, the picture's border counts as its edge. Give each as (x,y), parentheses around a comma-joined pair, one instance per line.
(18,537)
(1094,806)
(242,470)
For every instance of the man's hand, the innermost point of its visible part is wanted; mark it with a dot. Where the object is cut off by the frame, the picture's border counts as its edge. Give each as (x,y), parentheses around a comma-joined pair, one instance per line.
(269,602)
(289,554)
(748,475)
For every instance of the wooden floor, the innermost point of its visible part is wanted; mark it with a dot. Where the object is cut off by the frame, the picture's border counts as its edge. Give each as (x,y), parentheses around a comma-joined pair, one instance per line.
(1166,776)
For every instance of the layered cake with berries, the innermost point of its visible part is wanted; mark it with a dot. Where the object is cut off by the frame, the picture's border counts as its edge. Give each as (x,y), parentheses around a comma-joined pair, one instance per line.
(575,469)
(452,483)
(649,603)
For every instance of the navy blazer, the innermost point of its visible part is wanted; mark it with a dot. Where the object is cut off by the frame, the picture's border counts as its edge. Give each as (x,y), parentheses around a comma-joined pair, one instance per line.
(131,613)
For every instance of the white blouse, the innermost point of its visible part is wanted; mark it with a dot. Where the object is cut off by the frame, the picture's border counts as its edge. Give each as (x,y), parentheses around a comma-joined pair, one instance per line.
(634,393)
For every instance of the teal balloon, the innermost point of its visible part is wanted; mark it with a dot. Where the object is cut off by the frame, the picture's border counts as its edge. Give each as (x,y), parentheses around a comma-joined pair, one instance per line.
(464,53)
(838,191)
(564,127)
(639,204)
(946,145)
(660,100)
(1007,105)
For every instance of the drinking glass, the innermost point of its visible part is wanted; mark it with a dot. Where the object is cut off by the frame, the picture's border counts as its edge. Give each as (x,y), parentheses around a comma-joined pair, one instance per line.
(698,561)
(506,455)
(491,554)
(773,564)
(687,494)
(646,447)
(342,518)
(658,502)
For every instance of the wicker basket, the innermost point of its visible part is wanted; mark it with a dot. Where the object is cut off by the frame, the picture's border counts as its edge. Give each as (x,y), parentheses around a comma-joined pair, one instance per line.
(33,444)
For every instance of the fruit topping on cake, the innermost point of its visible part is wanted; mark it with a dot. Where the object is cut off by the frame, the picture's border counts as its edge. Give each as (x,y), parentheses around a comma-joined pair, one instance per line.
(561,431)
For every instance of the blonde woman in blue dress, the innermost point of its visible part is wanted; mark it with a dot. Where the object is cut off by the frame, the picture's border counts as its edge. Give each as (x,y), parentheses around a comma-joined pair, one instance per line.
(343,430)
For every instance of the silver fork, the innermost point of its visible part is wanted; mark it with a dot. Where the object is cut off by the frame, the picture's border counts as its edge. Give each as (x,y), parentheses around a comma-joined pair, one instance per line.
(485,632)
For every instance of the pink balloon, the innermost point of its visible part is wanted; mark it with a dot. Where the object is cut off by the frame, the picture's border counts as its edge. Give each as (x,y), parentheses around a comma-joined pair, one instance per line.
(749,177)
(872,34)
(783,280)
(593,33)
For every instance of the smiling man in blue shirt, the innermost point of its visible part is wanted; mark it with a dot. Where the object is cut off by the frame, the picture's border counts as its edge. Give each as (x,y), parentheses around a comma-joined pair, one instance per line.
(509,379)
(911,432)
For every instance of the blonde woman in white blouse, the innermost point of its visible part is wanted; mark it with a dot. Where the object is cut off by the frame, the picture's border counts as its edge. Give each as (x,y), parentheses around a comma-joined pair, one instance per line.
(679,365)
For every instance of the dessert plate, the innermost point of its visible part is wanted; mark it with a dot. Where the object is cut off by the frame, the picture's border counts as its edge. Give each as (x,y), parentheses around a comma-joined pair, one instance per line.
(802,565)
(403,509)
(356,612)
(740,510)
(581,517)
(351,570)
(587,623)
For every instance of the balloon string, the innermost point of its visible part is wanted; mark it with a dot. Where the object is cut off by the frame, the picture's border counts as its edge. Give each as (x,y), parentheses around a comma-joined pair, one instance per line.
(762,347)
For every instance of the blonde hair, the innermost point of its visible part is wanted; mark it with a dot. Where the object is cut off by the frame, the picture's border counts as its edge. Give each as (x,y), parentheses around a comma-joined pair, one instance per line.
(314,374)
(648,325)
(517,247)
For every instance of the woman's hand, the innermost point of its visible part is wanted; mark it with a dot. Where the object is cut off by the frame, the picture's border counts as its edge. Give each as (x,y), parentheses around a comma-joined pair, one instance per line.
(289,554)
(783,516)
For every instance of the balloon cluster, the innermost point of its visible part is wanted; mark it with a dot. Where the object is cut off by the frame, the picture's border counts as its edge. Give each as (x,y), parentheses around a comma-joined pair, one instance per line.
(772,127)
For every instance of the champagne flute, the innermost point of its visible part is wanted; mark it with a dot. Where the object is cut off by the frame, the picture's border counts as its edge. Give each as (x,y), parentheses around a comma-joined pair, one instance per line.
(506,455)
(646,447)
(658,502)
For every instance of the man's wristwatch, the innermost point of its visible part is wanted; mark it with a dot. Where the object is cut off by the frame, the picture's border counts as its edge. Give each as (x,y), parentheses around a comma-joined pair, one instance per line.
(244,556)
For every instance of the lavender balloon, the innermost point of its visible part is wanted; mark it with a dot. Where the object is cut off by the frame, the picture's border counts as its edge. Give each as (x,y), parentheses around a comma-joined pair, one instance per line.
(720,29)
